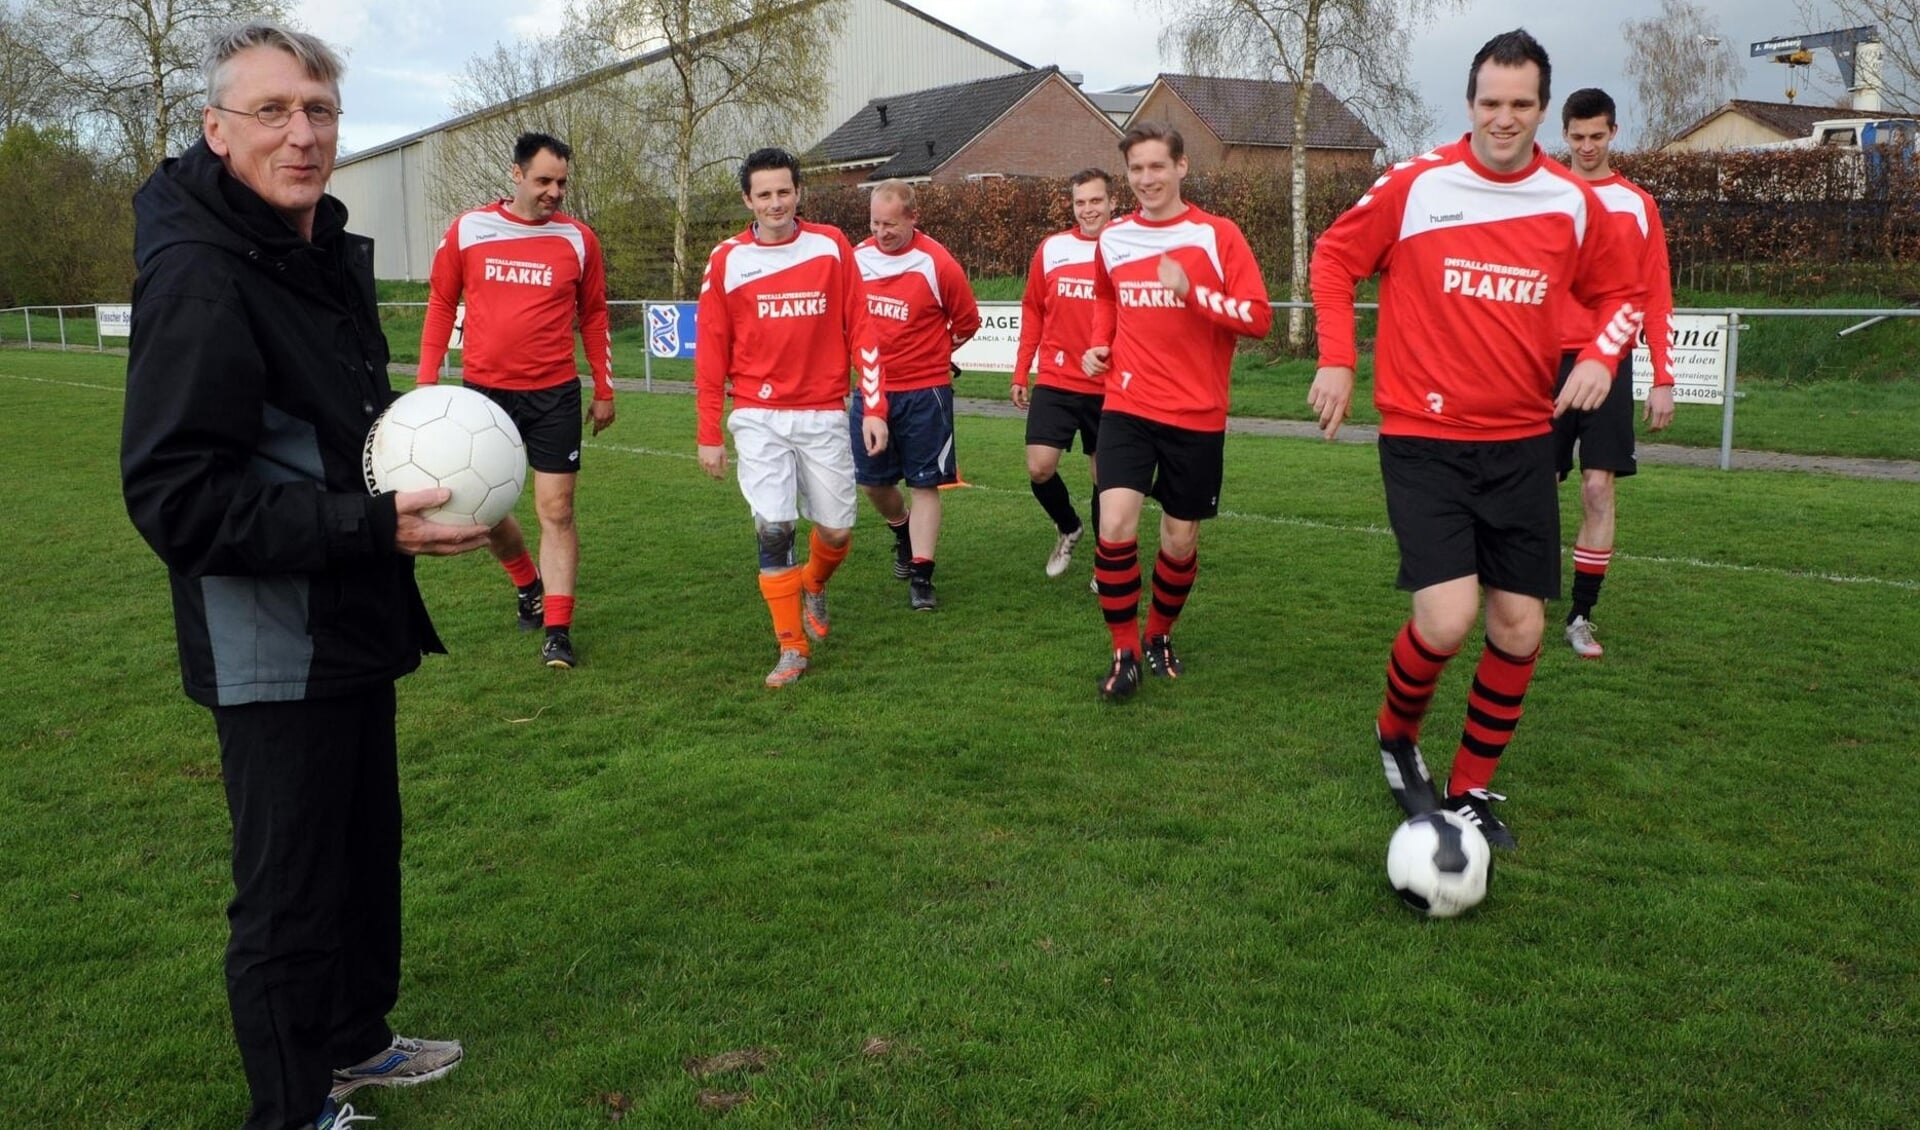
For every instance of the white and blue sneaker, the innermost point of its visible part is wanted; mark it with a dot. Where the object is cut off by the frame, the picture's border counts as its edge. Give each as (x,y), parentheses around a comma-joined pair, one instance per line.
(404,1063)
(338,1116)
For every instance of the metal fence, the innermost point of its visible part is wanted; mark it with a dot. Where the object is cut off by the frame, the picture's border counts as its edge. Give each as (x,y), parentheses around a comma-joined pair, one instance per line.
(89,327)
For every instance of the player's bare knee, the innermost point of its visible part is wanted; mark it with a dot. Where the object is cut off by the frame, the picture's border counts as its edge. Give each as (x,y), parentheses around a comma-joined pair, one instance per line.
(1040,468)
(776,544)
(1597,495)
(833,536)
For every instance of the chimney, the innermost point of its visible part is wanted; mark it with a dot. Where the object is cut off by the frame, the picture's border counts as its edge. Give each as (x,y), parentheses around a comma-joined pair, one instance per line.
(882,107)
(1075,77)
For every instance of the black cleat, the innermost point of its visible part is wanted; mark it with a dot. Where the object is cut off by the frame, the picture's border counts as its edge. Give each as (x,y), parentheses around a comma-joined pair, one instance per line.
(1162,660)
(920,596)
(1476,805)
(557,652)
(533,605)
(902,559)
(1407,776)
(1119,683)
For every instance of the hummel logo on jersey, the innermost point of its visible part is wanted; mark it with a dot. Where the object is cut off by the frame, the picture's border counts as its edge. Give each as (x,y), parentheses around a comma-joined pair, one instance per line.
(1449,218)
(483,235)
(753,274)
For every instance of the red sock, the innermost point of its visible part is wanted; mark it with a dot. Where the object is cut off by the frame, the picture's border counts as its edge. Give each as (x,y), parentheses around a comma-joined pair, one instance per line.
(1116,566)
(559,611)
(1172,581)
(822,560)
(521,569)
(1493,710)
(1413,670)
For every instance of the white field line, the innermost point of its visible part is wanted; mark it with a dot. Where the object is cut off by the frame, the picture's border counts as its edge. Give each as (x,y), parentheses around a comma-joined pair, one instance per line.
(1382,531)
(1272,519)
(63,384)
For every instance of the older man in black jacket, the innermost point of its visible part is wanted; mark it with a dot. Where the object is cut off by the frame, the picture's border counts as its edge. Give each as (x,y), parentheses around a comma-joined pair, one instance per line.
(256,366)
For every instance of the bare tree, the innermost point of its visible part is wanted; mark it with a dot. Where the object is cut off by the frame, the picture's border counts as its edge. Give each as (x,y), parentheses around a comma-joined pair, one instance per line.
(1682,69)
(134,67)
(32,91)
(730,75)
(1899,24)
(1359,46)
(543,85)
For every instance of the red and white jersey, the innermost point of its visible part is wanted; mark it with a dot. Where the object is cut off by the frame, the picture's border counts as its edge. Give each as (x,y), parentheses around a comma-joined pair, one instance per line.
(1473,268)
(1172,359)
(921,306)
(1056,313)
(779,325)
(1637,217)
(524,284)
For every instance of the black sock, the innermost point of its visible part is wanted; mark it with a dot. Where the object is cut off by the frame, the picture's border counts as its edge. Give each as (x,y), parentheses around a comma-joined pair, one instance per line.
(923,570)
(1093,509)
(1586,594)
(1058,504)
(899,531)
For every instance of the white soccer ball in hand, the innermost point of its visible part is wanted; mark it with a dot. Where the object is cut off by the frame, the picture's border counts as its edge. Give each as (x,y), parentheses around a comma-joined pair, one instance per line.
(1440,864)
(453,437)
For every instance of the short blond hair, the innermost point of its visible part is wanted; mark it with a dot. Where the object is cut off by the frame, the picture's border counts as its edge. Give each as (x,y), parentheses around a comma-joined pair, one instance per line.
(900,190)
(321,62)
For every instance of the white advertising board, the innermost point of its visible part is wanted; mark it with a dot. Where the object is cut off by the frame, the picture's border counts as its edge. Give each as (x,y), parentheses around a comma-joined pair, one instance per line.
(114,321)
(1699,360)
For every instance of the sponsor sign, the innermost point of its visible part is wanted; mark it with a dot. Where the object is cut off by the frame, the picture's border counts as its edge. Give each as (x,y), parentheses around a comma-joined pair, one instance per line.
(1699,360)
(114,321)
(994,348)
(670,330)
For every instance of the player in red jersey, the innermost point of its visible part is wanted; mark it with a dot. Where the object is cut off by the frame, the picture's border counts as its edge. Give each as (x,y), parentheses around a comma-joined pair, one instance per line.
(528,271)
(1174,288)
(1605,435)
(1056,326)
(922,309)
(782,320)
(1477,243)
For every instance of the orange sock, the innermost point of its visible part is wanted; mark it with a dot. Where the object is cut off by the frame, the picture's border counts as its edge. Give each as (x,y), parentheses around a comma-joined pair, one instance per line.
(822,560)
(782,591)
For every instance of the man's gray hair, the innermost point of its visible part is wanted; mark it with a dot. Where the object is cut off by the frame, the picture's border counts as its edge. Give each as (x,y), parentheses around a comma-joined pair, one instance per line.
(320,61)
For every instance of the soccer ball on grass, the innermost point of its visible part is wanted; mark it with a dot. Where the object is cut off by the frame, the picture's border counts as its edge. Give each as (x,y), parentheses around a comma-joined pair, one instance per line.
(1440,864)
(453,437)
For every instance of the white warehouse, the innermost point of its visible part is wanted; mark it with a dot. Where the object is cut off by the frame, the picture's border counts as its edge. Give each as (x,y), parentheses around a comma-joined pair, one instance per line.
(884,47)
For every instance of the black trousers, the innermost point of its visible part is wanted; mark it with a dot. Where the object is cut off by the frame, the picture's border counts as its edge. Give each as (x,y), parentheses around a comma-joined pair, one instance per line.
(313,960)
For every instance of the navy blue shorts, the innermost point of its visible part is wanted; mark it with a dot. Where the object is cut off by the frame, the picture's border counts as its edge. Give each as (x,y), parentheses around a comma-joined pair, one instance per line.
(919,441)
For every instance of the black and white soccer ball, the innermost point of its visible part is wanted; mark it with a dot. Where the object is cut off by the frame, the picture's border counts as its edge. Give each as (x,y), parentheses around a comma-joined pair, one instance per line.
(453,437)
(1440,864)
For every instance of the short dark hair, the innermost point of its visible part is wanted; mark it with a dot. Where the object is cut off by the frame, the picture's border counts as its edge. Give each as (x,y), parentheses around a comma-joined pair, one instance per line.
(1086,175)
(528,146)
(1512,49)
(1591,102)
(761,160)
(1154,131)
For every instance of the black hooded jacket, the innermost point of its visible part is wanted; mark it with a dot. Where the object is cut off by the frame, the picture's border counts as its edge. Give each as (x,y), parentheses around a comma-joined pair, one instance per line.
(255,368)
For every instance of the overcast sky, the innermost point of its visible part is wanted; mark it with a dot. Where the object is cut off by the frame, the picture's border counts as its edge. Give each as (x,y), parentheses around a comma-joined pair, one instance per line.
(403,57)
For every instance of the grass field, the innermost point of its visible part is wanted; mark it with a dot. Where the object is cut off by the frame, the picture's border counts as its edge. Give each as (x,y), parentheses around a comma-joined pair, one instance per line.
(937,884)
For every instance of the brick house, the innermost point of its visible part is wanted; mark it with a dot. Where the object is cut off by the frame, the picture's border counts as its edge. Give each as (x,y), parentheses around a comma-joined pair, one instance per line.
(1246,125)
(1034,123)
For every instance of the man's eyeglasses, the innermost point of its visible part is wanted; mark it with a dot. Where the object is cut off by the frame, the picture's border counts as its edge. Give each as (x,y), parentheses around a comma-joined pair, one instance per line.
(273,115)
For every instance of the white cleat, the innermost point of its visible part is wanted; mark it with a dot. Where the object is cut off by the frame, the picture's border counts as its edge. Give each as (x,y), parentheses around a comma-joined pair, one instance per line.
(1061,558)
(1580,637)
(792,665)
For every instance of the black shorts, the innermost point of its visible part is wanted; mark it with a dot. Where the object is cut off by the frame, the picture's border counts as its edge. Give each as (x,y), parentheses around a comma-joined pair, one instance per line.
(1055,416)
(1177,467)
(1474,509)
(549,423)
(1605,435)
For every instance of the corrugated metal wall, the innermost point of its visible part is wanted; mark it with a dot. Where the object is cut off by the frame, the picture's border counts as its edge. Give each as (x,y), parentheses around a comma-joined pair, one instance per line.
(884,48)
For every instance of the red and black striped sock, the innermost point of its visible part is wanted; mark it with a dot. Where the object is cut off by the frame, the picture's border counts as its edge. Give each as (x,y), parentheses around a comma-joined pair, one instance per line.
(1172,581)
(1493,710)
(1116,568)
(1589,569)
(1413,670)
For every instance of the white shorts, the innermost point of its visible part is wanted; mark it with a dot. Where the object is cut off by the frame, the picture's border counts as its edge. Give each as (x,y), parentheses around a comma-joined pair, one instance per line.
(795,464)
